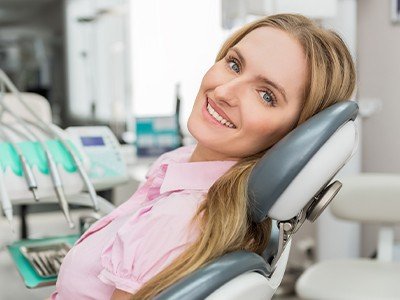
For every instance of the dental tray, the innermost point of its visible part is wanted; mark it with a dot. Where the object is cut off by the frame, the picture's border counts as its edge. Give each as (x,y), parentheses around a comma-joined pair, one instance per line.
(38,260)
(46,259)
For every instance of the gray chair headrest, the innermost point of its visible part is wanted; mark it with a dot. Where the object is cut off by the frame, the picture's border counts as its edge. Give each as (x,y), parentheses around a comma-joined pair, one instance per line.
(285,160)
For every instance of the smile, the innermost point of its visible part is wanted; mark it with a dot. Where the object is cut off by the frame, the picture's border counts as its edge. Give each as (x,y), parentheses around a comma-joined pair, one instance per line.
(218,117)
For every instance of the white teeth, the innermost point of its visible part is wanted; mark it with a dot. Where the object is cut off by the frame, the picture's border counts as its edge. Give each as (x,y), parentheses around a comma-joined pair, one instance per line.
(218,117)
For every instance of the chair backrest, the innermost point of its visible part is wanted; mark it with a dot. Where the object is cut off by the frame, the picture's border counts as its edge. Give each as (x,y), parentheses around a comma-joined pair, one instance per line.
(285,182)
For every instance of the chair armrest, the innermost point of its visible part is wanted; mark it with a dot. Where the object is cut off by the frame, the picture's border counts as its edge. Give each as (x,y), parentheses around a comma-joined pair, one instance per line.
(369,198)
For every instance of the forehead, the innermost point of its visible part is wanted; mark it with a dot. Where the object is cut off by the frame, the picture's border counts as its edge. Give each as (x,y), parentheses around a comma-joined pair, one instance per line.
(276,55)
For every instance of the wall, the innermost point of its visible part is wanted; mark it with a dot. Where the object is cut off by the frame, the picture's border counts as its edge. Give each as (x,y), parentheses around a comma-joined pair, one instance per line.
(379,77)
(378,43)
(172,41)
(96,35)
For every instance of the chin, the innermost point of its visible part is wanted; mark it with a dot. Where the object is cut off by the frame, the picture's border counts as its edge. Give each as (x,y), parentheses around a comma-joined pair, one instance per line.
(190,126)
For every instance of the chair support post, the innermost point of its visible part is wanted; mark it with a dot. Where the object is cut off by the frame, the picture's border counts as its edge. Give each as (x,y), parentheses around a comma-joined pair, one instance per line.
(385,244)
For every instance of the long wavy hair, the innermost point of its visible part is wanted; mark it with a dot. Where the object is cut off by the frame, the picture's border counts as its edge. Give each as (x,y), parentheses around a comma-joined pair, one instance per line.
(223,217)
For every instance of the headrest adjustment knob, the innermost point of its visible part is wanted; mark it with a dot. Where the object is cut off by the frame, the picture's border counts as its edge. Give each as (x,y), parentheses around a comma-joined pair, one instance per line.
(322,200)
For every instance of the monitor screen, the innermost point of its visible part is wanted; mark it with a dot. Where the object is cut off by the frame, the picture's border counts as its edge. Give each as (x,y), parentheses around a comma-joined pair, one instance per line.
(92,141)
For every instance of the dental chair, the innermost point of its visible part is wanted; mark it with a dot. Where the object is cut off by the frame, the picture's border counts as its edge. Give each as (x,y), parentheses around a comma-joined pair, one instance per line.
(291,183)
(365,198)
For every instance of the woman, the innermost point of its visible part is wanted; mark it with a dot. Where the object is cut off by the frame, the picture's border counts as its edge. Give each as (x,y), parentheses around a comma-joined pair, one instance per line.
(269,77)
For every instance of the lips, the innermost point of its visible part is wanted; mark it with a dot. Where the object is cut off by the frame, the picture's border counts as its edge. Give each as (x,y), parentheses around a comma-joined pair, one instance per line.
(219,114)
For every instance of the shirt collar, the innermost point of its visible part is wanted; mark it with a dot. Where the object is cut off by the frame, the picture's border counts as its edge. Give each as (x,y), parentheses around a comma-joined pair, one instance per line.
(193,175)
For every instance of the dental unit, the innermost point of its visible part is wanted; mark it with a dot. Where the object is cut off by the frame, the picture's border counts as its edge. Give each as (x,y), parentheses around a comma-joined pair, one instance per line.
(52,129)
(29,131)
(53,171)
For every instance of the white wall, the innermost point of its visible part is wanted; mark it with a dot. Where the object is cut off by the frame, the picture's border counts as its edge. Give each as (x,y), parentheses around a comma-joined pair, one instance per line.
(172,41)
(97,58)
(379,77)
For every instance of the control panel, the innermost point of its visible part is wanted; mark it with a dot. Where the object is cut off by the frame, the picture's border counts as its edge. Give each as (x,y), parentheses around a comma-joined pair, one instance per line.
(99,144)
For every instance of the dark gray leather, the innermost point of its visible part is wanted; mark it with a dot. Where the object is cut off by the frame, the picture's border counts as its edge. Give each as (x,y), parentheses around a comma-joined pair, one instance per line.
(281,164)
(206,280)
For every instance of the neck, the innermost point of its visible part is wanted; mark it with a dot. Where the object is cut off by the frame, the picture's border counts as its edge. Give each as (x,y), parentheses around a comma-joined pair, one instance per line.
(202,153)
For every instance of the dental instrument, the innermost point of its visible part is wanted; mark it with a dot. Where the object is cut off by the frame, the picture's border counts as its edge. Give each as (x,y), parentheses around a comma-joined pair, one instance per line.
(53,171)
(5,201)
(27,171)
(55,133)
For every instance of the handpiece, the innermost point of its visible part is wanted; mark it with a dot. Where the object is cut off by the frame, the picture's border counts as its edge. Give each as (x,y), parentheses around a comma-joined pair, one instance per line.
(55,177)
(27,171)
(5,200)
(29,177)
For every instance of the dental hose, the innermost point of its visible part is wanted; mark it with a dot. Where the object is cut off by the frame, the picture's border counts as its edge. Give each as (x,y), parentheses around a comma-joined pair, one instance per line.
(47,128)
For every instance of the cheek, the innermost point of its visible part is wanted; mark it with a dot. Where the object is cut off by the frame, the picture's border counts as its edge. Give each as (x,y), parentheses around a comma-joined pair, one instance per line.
(265,135)
(194,124)
(282,128)
(269,128)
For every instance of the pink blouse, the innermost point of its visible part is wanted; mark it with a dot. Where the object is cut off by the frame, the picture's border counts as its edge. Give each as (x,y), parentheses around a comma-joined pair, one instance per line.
(141,237)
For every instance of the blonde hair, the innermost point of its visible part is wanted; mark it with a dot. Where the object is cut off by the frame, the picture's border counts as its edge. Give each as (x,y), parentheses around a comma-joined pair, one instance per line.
(223,217)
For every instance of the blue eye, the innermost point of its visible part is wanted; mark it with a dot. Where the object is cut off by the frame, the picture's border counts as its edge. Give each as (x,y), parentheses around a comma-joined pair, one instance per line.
(267,97)
(234,66)
(233,63)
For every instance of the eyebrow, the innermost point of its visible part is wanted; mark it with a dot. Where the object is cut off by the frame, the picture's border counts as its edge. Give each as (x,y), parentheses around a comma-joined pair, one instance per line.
(241,58)
(275,85)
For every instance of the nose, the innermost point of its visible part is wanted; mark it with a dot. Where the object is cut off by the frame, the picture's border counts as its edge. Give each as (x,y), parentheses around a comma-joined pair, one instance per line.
(227,92)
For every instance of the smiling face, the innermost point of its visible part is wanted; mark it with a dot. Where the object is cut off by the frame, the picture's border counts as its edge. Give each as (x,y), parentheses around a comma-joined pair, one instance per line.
(251,98)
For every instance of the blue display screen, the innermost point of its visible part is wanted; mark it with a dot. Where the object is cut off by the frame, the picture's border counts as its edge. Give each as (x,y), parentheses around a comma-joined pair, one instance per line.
(92,141)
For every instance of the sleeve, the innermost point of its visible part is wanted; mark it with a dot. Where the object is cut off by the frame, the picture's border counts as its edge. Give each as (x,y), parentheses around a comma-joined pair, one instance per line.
(146,244)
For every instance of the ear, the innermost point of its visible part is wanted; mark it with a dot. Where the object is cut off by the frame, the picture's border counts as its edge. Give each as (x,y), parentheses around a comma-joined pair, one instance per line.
(296,168)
